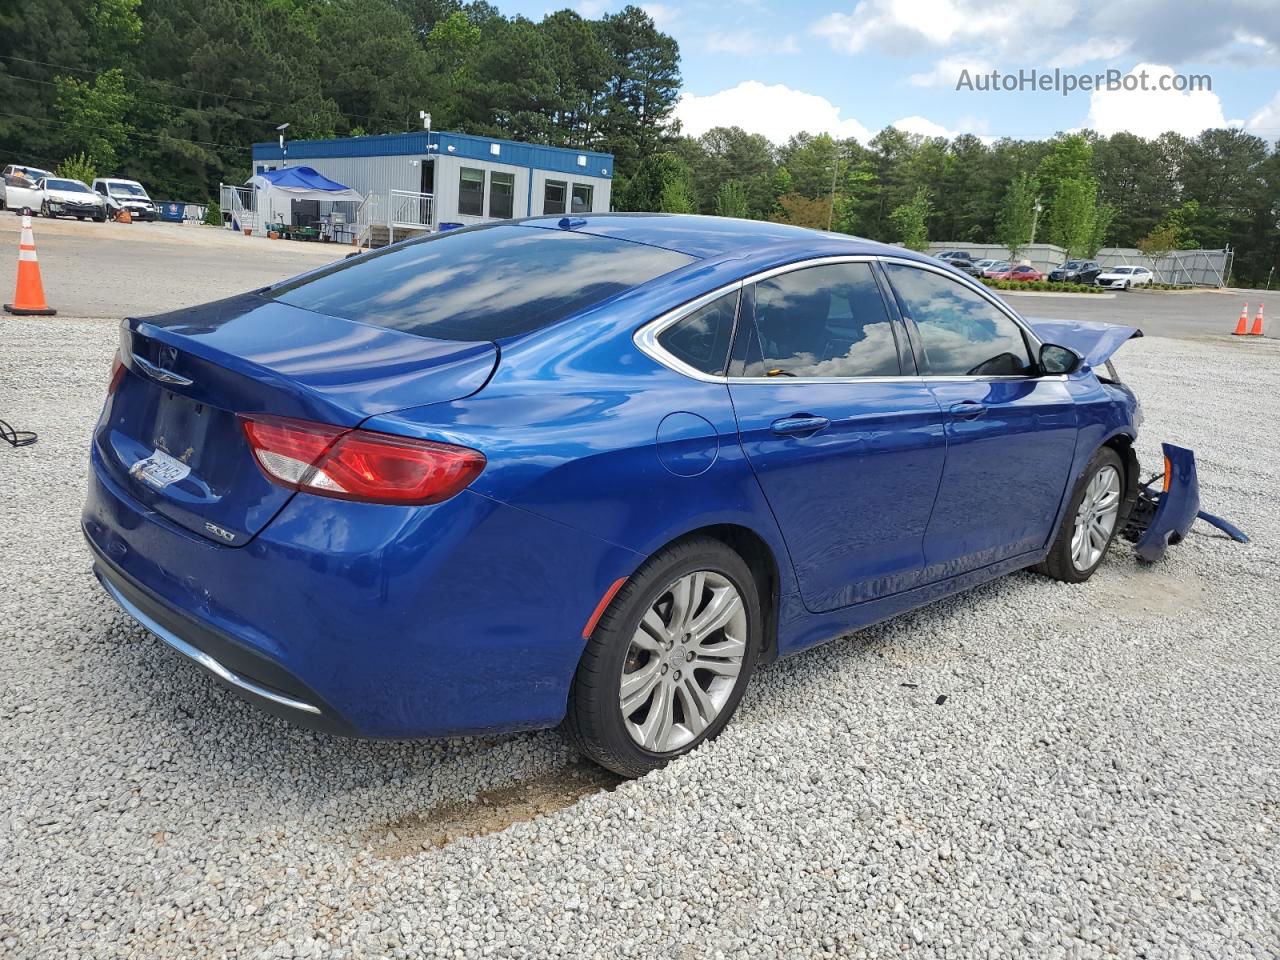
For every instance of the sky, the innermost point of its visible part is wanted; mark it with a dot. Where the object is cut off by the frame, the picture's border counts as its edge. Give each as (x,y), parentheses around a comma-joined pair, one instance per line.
(779,67)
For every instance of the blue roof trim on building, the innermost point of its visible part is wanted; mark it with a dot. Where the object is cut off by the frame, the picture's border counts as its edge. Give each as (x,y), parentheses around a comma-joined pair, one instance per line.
(534,156)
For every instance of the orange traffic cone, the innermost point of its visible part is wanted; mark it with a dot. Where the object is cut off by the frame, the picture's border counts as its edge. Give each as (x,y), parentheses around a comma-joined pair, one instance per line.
(1257,324)
(1242,327)
(28,300)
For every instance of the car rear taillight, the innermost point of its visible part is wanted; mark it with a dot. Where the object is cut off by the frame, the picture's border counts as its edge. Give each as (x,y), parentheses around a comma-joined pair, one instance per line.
(353,464)
(117,374)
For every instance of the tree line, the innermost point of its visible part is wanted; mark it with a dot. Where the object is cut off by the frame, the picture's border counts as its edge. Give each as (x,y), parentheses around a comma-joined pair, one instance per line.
(173,92)
(1081,191)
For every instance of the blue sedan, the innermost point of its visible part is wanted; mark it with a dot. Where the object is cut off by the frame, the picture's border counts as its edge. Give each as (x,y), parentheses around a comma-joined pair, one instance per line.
(589,471)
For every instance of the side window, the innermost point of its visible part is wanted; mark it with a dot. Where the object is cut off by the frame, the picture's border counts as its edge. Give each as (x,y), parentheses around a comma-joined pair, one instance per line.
(702,339)
(471,192)
(827,321)
(553,196)
(502,189)
(962,334)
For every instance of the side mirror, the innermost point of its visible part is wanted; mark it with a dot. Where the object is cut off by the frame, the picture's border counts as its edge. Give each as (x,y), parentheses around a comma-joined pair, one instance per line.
(1056,360)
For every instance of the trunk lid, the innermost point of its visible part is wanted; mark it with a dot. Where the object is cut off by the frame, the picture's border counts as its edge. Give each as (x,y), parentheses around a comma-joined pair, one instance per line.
(170,434)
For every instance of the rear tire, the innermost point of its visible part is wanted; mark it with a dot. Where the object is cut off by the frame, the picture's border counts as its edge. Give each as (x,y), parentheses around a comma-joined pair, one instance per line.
(683,635)
(1090,523)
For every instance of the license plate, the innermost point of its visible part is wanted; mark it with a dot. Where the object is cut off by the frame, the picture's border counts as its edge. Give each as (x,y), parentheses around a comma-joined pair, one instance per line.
(159,469)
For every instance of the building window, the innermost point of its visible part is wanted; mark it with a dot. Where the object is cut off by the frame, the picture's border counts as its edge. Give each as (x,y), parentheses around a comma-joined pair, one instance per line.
(471,193)
(553,196)
(502,191)
(582,197)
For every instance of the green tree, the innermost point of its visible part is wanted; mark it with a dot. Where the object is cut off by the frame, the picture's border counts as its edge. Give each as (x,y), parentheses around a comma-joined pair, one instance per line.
(731,200)
(93,114)
(1018,214)
(1076,221)
(662,184)
(911,220)
(643,86)
(78,167)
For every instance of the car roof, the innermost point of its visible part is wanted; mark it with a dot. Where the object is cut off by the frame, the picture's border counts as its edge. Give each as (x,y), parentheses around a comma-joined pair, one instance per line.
(718,237)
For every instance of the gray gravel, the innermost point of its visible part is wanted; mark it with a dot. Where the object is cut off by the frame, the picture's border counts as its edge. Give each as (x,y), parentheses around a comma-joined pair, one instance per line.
(1100,780)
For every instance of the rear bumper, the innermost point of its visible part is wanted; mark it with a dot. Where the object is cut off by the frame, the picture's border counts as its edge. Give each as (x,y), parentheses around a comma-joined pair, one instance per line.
(246,672)
(462,617)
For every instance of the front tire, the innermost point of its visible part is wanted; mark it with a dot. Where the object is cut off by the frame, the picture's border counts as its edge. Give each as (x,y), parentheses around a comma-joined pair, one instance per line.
(669,661)
(1090,523)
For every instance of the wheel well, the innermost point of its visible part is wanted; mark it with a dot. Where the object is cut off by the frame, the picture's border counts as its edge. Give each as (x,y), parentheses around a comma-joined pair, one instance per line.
(759,558)
(1122,444)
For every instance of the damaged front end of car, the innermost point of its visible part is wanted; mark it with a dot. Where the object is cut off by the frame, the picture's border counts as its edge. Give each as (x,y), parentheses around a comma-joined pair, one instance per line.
(1161,517)
(1154,517)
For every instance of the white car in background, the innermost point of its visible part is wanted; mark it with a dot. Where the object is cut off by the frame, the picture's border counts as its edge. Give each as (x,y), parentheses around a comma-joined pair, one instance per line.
(63,197)
(1124,277)
(126,195)
(18,187)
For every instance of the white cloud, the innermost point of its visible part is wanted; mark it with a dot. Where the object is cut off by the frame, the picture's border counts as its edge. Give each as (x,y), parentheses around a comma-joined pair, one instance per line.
(1265,122)
(923,126)
(590,9)
(1151,112)
(947,71)
(663,16)
(902,25)
(777,111)
(1090,51)
(750,42)
(1061,33)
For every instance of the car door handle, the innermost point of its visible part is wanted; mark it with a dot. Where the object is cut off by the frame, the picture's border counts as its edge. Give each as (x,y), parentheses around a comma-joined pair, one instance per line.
(968,410)
(800,425)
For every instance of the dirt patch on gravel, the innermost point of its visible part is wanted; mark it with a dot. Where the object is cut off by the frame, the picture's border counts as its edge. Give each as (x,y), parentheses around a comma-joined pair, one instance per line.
(491,811)
(1138,593)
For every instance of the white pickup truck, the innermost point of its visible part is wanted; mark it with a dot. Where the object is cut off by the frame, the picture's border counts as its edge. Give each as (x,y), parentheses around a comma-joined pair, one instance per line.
(19,188)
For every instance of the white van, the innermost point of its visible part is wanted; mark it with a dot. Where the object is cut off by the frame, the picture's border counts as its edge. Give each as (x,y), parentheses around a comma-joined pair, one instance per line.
(126,195)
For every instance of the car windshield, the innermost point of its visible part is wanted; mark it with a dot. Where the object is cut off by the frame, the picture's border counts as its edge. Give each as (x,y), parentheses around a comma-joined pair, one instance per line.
(1123,270)
(1073,265)
(480,284)
(71,186)
(32,172)
(125,190)
(999,265)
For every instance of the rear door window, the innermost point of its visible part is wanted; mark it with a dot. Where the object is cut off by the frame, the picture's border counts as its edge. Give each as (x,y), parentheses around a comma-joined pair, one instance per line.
(482,283)
(827,321)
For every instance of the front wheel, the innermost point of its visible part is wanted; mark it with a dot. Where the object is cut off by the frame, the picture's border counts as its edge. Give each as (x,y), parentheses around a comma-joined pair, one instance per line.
(44,210)
(1089,524)
(668,662)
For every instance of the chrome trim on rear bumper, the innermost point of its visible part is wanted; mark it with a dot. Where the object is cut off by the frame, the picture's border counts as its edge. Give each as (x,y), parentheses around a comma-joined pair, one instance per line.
(202,658)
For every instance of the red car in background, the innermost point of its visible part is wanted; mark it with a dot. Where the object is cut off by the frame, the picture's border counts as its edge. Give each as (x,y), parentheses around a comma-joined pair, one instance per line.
(1021,272)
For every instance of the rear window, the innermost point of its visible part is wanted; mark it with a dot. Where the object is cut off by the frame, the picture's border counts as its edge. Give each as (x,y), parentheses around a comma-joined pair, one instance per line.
(480,284)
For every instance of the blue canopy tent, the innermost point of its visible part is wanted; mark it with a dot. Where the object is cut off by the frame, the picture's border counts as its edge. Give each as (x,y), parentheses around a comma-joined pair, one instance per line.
(275,191)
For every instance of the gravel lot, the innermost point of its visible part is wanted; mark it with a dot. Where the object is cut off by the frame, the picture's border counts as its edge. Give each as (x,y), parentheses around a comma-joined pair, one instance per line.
(1100,780)
(114,269)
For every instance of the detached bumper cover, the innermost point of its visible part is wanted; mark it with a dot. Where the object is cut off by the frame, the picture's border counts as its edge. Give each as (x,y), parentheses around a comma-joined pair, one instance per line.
(1162,518)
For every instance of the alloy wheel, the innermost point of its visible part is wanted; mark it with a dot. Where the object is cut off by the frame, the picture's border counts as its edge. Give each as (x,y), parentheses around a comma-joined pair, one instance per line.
(1096,518)
(683,661)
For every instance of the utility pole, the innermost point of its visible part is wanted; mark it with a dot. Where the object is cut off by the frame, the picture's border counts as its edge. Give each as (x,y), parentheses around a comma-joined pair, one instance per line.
(1035,222)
